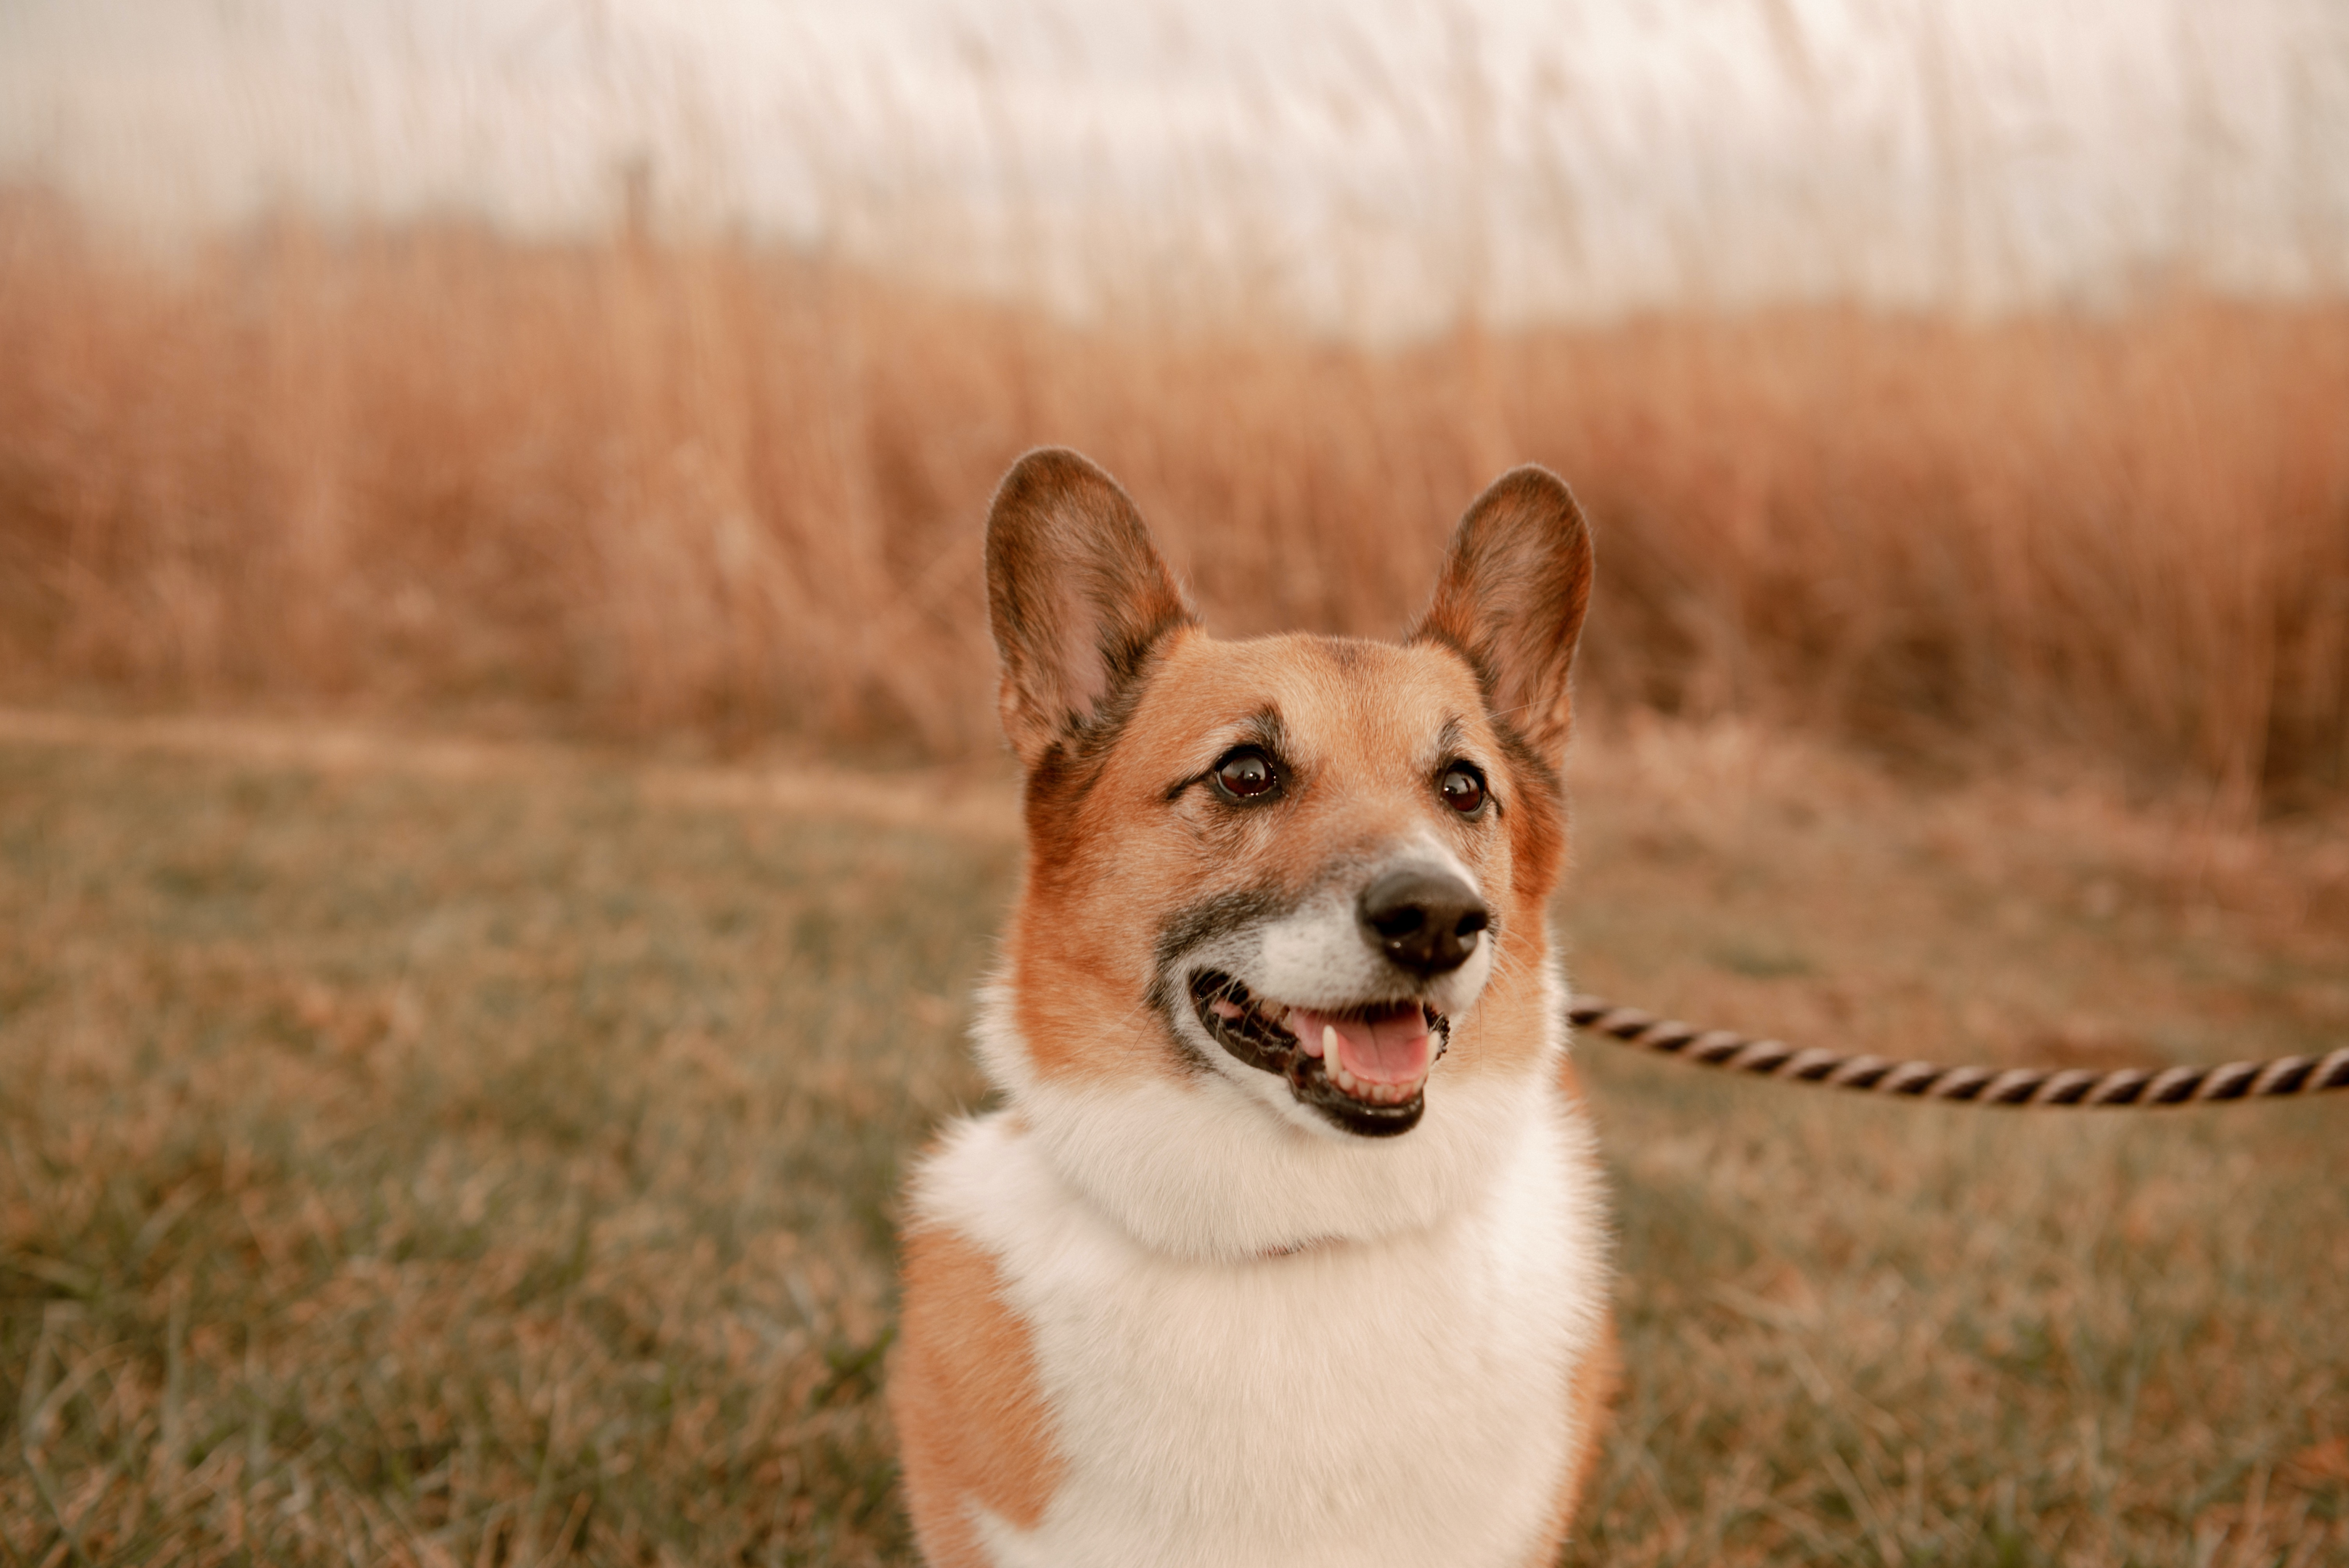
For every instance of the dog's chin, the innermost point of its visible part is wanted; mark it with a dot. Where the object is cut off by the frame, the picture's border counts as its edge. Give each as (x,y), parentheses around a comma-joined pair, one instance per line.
(1362,1068)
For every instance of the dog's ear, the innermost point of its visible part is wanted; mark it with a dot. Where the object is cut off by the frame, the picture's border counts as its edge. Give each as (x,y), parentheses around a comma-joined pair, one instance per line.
(1516,583)
(1075,593)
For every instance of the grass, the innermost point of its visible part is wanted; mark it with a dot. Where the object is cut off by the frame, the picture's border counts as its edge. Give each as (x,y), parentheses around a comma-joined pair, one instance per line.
(427,1169)
(437,1153)
(636,488)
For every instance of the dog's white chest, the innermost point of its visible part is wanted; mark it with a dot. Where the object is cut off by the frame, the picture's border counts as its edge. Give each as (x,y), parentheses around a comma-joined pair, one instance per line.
(1397,1401)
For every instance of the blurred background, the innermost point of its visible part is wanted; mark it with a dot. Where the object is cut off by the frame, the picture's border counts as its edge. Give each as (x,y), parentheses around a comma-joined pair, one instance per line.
(1966,377)
(500,816)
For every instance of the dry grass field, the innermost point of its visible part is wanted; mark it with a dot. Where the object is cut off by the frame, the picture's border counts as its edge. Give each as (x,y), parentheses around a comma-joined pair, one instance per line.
(636,488)
(501,819)
(437,1152)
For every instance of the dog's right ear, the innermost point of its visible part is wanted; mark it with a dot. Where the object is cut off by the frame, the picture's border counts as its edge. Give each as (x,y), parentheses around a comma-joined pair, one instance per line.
(1076,595)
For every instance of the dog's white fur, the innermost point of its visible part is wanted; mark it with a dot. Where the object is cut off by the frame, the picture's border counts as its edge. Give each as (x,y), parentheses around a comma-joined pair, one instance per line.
(1201,1322)
(1403,1376)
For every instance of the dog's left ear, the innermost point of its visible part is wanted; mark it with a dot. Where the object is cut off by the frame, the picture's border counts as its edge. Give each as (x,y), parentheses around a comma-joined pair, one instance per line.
(1076,595)
(1516,583)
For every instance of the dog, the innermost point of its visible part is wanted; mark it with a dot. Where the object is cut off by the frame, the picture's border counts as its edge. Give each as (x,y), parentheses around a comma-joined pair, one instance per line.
(1286,1244)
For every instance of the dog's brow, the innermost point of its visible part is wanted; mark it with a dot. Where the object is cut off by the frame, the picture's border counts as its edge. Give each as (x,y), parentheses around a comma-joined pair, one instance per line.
(1262,728)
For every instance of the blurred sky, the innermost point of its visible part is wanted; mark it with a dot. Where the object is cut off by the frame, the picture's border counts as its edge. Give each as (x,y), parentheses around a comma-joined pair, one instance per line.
(1374,163)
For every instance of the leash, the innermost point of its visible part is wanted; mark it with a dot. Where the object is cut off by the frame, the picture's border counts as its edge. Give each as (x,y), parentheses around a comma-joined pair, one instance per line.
(2143,1088)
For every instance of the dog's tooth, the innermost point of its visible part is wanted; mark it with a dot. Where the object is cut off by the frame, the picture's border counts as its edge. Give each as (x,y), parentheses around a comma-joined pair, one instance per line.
(1330,1044)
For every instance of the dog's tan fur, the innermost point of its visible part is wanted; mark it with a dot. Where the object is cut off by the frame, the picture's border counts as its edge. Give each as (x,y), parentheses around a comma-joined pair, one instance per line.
(972,1424)
(1098,870)
(1118,705)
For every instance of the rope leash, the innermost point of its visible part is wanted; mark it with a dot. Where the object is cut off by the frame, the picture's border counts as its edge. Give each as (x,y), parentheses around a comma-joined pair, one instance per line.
(2143,1088)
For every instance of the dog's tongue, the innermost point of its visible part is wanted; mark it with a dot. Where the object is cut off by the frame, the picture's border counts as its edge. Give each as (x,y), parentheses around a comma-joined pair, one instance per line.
(1390,1047)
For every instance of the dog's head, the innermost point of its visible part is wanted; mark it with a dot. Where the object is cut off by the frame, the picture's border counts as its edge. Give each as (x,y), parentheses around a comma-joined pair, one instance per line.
(1301,867)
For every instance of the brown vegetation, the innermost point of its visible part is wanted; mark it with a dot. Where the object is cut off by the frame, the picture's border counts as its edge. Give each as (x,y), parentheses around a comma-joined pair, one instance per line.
(636,487)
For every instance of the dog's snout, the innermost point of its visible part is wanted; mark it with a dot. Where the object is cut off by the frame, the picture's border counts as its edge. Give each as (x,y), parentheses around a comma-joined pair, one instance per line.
(1423,920)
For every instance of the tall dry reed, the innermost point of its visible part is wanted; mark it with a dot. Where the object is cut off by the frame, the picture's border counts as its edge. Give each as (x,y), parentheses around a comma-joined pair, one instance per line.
(650,487)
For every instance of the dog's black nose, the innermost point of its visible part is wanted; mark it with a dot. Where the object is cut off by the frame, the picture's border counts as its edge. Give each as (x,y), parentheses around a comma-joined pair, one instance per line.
(1423,920)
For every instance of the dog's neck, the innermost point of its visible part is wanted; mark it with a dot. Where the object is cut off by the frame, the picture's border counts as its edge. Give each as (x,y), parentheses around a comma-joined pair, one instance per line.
(1194,1167)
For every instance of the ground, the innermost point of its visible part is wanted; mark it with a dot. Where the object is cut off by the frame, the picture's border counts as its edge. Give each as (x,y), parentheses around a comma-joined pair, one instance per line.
(437,1151)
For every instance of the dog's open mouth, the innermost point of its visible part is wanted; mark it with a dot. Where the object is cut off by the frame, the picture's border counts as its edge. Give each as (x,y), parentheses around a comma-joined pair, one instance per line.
(1365,1068)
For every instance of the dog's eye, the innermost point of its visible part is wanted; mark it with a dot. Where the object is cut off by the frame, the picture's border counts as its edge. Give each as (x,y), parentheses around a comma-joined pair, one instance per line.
(1463,787)
(1247,773)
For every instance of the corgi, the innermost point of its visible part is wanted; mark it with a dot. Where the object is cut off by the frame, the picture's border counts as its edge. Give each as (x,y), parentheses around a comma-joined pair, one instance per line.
(1286,1244)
